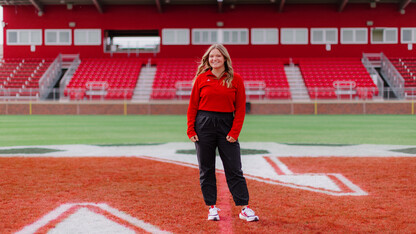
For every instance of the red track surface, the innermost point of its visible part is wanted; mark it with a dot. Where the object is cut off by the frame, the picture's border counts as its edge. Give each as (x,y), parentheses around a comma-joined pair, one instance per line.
(168,195)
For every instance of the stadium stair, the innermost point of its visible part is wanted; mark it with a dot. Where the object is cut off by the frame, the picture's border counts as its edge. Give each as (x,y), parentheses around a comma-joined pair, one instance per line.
(143,89)
(296,83)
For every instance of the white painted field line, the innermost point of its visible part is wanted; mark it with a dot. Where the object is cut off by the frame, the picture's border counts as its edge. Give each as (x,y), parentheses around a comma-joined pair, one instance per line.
(32,228)
(355,193)
(136,222)
(356,189)
(349,184)
(281,166)
(185,164)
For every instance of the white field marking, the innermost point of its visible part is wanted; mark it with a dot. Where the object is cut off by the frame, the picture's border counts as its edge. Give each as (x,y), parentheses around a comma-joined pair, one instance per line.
(169,149)
(170,161)
(357,191)
(281,166)
(32,228)
(136,222)
(317,181)
(348,183)
(84,220)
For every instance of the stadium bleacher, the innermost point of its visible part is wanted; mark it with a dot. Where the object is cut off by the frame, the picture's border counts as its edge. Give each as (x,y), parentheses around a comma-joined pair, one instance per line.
(407,68)
(174,76)
(269,71)
(265,78)
(168,73)
(98,78)
(337,78)
(20,76)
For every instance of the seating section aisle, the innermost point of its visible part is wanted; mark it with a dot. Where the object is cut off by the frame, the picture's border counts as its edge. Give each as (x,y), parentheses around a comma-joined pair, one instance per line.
(20,77)
(104,78)
(407,68)
(332,78)
(173,77)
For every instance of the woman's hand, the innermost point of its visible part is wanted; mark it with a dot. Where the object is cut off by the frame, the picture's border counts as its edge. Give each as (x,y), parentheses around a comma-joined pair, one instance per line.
(230,139)
(194,138)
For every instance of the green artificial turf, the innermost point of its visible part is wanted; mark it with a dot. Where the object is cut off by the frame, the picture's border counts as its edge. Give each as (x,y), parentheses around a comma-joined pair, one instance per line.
(332,129)
(145,129)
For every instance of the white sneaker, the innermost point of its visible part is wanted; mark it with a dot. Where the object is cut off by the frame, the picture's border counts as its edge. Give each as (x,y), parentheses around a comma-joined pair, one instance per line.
(248,215)
(213,214)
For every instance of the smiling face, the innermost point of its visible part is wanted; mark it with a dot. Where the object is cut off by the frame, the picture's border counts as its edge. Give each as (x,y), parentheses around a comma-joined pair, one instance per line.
(216,60)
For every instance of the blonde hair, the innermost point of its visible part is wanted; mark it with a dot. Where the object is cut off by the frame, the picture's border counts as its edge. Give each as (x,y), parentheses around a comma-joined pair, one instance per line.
(204,64)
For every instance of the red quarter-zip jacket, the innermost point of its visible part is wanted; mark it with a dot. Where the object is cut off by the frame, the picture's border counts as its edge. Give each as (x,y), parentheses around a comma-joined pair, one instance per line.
(209,94)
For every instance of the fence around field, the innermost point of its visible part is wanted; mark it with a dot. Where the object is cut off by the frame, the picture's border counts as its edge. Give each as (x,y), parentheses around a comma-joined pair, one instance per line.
(273,94)
(258,107)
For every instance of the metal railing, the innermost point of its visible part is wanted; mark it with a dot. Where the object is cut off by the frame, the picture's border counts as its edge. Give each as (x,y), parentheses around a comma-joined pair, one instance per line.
(316,93)
(370,66)
(68,75)
(392,76)
(50,77)
(13,94)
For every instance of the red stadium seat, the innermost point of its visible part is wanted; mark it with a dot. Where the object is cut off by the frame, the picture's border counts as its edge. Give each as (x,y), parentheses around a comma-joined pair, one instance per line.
(119,75)
(269,71)
(406,66)
(20,76)
(322,77)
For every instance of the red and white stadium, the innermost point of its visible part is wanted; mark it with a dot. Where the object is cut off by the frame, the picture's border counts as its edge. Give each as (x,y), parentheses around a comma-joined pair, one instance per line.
(290,53)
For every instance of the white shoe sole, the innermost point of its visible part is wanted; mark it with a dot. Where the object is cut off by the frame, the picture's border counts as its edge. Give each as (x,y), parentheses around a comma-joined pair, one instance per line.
(214,218)
(249,219)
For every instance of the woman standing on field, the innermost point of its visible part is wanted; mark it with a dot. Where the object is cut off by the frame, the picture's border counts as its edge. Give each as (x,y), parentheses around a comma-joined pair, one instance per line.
(215,117)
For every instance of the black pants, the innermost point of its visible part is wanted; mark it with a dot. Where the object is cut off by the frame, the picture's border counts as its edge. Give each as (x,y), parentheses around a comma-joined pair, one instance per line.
(212,129)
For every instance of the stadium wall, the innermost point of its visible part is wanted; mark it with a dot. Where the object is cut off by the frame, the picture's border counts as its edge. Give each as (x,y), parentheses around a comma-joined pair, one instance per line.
(143,17)
(180,108)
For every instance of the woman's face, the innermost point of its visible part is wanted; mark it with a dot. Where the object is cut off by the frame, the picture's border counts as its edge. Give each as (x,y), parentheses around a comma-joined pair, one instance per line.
(216,59)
